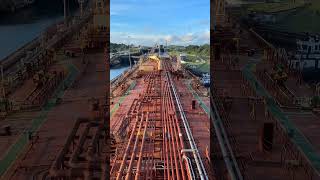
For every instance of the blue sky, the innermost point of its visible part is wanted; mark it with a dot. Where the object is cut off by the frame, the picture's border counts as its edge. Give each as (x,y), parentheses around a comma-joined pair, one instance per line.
(147,22)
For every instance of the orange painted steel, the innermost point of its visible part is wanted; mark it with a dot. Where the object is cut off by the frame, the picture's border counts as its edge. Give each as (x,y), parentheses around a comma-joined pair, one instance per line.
(142,110)
(141,149)
(156,137)
(174,138)
(128,176)
(127,150)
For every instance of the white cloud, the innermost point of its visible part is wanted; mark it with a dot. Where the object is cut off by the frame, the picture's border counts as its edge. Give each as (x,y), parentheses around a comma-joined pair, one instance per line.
(149,40)
(205,35)
(188,37)
(172,38)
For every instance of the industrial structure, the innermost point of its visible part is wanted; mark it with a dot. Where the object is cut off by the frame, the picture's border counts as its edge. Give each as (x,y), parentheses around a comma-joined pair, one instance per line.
(259,120)
(157,132)
(53,101)
(264,123)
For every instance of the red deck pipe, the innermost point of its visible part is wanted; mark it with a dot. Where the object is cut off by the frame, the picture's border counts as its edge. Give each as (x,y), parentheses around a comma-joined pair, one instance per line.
(141,149)
(124,160)
(128,176)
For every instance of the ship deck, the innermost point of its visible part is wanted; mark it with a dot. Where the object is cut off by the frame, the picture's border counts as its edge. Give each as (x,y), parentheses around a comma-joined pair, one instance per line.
(150,97)
(295,150)
(57,121)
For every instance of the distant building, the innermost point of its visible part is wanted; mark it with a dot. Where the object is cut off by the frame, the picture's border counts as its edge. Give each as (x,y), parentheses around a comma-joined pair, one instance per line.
(308,54)
(307,57)
(183,57)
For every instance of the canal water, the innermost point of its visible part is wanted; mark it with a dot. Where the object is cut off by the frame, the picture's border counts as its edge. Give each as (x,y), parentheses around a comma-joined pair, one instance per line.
(14,36)
(19,28)
(115,72)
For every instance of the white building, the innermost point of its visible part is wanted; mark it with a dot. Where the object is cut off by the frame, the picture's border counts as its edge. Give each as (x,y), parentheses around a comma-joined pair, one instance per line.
(307,56)
(183,57)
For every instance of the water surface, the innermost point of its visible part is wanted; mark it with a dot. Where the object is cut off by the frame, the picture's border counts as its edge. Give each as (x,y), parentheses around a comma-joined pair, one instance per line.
(17,29)
(115,72)
(20,28)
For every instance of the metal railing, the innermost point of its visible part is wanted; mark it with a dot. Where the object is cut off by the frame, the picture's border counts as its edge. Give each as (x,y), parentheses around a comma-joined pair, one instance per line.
(224,143)
(200,167)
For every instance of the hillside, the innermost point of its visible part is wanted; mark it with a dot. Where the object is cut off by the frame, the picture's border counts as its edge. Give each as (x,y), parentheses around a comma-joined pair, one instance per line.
(114,47)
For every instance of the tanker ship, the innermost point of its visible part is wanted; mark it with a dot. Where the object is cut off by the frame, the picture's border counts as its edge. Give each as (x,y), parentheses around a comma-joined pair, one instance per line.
(160,126)
(53,101)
